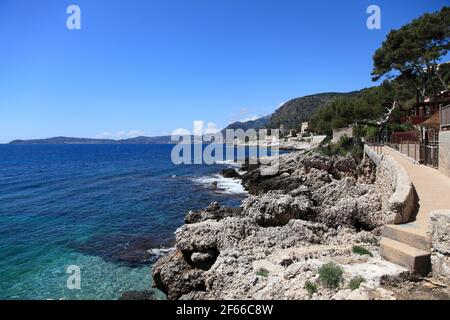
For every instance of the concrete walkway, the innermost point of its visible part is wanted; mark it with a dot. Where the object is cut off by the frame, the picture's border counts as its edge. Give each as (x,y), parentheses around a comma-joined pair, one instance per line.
(433,188)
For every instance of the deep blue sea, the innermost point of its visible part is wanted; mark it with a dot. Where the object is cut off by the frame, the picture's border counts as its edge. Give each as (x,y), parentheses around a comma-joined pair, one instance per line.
(100,207)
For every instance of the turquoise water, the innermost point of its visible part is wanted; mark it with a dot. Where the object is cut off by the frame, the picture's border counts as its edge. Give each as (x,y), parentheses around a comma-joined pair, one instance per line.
(100,207)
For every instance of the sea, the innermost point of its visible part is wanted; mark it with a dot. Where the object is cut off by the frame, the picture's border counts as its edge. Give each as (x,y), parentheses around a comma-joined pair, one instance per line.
(108,210)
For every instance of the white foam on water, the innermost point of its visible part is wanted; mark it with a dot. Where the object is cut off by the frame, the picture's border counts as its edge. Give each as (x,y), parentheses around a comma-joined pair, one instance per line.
(230,163)
(241,172)
(160,252)
(225,185)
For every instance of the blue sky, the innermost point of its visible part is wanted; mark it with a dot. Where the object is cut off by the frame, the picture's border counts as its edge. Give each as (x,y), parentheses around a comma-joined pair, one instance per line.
(149,67)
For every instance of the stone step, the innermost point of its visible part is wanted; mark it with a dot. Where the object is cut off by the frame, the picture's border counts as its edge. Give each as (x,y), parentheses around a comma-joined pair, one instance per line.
(409,234)
(400,253)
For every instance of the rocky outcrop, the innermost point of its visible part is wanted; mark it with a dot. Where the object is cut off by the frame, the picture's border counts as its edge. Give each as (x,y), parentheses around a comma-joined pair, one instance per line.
(173,276)
(229,173)
(440,237)
(312,211)
(276,208)
(366,291)
(138,295)
(213,212)
(346,202)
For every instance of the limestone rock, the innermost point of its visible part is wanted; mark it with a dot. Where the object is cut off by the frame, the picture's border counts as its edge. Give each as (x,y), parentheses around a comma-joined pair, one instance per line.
(440,238)
(173,276)
(276,208)
(312,211)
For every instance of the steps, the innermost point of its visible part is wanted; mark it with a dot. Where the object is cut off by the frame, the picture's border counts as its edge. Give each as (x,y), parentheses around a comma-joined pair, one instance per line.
(409,234)
(407,246)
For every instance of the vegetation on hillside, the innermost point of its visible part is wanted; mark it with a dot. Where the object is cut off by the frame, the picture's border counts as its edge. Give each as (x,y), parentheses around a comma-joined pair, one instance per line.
(299,110)
(343,147)
(414,52)
(408,60)
(367,105)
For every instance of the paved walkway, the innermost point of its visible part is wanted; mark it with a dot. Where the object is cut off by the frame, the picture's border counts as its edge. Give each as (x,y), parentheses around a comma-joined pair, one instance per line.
(433,188)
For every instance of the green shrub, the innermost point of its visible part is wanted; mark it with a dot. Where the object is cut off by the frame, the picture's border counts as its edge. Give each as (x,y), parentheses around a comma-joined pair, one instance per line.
(343,147)
(330,275)
(372,132)
(370,240)
(356,282)
(361,251)
(311,287)
(358,152)
(262,273)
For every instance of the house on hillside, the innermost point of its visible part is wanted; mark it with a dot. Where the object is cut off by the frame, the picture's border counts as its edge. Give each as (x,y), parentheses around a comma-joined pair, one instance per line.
(304,128)
(444,140)
(429,118)
(422,111)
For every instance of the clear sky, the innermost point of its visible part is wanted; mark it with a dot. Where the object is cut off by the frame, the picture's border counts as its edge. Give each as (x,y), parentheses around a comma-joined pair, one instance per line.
(149,67)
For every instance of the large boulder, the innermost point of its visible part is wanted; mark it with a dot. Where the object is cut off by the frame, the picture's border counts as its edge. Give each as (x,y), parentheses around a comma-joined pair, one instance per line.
(212,212)
(276,208)
(199,237)
(230,173)
(318,162)
(440,237)
(175,277)
(346,202)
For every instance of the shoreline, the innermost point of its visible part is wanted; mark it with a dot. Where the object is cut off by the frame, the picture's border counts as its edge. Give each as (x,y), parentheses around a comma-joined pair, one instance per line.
(204,246)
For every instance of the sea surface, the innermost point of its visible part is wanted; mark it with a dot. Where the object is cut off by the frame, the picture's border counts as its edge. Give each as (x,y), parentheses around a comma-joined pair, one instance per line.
(100,207)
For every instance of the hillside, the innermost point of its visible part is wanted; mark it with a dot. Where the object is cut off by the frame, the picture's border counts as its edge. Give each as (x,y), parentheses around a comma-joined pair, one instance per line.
(292,113)
(299,110)
(254,124)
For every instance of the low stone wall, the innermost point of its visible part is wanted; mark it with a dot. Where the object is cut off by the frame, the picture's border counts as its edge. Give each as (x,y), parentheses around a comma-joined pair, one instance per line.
(444,152)
(403,203)
(440,237)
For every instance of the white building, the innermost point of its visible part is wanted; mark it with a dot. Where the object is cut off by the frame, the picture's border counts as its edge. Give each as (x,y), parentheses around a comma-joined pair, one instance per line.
(304,128)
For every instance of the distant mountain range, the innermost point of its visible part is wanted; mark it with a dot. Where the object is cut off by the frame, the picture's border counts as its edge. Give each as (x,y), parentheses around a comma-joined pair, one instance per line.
(253,124)
(291,115)
(69,140)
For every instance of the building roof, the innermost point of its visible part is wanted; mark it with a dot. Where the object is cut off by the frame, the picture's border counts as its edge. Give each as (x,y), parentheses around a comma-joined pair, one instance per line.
(433,121)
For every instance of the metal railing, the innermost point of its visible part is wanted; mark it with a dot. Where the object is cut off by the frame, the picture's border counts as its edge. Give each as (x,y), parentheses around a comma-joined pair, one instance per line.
(445,117)
(411,149)
(407,143)
(431,155)
(376,147)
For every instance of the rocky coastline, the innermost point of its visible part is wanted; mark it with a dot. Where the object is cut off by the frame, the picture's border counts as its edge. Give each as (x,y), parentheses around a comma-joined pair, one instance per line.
(316,211)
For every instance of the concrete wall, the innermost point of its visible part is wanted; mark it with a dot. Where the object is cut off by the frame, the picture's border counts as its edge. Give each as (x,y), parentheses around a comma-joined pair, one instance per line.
(341,132)
(403,203)
(444,152)
(318,139)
